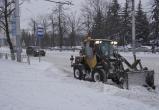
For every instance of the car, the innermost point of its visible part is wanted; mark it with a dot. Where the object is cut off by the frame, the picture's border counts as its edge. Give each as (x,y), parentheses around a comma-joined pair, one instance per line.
(143,49)
(123,49)
(35,51)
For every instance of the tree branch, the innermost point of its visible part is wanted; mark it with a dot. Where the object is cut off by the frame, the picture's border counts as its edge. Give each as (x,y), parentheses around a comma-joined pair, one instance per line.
(2,28)
(10,12)
(2,23)
(10,3)
(1,11)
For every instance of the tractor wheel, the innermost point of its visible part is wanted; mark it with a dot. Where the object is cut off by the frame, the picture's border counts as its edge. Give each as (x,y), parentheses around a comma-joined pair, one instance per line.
(98,76)
(78,73)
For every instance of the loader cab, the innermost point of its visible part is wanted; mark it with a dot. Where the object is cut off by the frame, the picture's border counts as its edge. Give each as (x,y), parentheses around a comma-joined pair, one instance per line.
(105,47)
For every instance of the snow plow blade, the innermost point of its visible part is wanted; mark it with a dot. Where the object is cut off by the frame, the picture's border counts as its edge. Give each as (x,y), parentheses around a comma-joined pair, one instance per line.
(144,78)
(137,74)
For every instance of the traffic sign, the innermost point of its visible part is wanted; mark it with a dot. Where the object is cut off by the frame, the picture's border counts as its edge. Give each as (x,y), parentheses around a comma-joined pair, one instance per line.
(40,31)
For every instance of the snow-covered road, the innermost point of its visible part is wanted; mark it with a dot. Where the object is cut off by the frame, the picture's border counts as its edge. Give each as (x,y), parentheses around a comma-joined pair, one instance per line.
(50,86)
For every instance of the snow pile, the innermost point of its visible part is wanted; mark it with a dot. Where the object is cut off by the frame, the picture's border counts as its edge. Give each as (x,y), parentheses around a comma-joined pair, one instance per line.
(41,86)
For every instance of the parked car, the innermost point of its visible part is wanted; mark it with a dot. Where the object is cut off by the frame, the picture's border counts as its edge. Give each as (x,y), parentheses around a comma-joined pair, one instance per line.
(143,49)
(122,49)
(35,51)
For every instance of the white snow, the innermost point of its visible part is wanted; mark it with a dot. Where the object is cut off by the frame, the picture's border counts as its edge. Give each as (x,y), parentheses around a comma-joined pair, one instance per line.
(51,86)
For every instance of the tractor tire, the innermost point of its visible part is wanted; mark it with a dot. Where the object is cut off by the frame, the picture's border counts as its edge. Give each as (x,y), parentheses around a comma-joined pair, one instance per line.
(98,76)
(78,73)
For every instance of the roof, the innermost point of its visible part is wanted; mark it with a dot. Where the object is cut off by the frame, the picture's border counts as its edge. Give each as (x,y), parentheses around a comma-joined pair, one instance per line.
(102,40)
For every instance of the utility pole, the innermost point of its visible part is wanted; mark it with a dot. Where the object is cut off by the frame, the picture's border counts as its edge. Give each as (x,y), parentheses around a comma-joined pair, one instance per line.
(133,29)
(18,33)
(60,27)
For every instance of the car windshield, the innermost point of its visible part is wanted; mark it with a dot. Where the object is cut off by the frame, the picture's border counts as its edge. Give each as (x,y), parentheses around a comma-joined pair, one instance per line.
(106,48)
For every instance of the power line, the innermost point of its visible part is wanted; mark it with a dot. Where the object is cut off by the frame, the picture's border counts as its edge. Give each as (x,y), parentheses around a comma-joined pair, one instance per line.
(63,3)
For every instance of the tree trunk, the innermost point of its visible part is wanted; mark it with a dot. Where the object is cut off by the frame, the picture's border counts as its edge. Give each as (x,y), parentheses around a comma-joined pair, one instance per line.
(53,34)
(7,33)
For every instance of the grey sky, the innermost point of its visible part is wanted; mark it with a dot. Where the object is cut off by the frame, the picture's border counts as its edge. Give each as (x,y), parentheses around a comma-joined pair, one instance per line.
(36,8)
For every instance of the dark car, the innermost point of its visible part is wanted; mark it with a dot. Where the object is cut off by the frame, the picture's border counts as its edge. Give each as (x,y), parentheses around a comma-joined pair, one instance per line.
(35,51)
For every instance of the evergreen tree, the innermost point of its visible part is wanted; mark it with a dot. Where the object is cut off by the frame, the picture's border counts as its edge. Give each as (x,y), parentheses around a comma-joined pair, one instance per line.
(97,29)
(142,25)
(155,17)
(126,24)
(113,21)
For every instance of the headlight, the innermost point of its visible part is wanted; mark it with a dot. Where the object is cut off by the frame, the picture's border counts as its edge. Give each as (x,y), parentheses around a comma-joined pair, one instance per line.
(98,42)
(114,42)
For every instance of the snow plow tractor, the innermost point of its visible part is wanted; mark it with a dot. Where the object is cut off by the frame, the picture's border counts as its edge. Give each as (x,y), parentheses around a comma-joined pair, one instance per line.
(99,61)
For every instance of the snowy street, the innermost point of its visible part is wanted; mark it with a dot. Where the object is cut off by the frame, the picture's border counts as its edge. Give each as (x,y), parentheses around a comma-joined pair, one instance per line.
(50,85)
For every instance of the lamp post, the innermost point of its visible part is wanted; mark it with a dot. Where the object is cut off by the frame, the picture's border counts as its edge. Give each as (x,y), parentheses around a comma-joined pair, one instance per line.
(18,44)
(133,29)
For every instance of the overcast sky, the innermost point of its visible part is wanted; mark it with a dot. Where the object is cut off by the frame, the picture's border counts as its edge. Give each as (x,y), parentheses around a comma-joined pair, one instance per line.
(36,8)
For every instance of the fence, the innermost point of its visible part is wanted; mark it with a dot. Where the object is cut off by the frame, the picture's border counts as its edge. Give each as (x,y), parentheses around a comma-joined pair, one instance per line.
(7,56)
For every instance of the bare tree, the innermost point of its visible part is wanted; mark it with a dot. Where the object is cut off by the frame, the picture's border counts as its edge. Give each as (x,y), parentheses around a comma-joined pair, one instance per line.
(90,11)
(6,10)
(61,22)
(45,24)
(87,16)
(74,27)
(53,27)
(33,25)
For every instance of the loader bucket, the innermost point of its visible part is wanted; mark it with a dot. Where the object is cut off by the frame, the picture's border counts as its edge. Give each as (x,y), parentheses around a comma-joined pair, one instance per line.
(143,78)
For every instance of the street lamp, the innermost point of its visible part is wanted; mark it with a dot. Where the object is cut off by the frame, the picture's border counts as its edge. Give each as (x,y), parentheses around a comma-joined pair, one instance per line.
(18,44)
(133,29)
